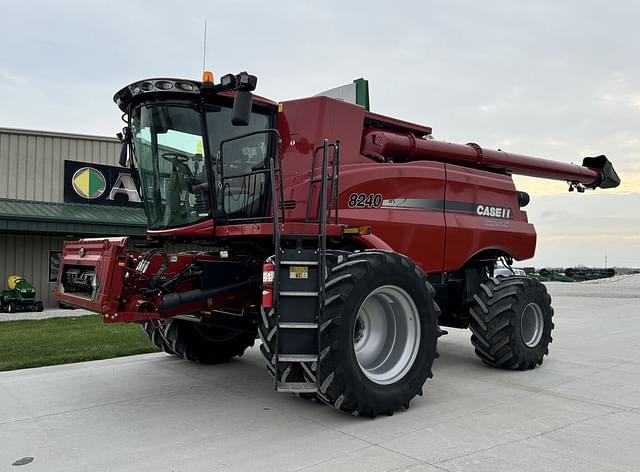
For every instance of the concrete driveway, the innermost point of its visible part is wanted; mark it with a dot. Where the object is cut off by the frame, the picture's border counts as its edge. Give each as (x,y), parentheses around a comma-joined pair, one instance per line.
(579,412)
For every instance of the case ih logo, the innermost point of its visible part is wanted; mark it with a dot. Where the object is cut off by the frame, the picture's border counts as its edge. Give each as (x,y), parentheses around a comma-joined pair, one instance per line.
(89,183)
(493,212)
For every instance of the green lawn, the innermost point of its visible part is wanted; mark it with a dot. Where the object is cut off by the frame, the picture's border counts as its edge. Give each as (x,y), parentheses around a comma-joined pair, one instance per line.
(35,343)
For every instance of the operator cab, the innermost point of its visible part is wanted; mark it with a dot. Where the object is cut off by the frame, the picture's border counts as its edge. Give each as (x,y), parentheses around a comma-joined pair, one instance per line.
(199,151)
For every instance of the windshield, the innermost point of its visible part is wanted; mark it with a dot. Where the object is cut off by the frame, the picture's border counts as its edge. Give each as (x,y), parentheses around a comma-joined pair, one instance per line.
(169,152)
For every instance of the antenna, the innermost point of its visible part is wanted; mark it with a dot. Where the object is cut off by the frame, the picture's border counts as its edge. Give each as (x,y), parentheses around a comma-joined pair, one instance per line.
(204,47)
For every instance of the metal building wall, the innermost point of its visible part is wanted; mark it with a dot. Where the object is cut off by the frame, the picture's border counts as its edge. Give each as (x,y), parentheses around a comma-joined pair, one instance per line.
(28,256)
(32,168)
(32,162)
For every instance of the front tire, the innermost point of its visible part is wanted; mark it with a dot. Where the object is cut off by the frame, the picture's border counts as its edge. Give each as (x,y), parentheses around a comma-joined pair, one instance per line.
(199,342)
(378,333)
(511,322)
(156,331)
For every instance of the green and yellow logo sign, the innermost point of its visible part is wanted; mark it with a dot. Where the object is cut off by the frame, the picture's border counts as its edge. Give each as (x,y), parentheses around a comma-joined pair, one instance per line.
(89,182)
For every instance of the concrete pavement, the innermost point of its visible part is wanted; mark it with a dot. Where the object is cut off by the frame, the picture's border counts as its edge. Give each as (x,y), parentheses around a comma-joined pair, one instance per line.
(579,412)
(43,315)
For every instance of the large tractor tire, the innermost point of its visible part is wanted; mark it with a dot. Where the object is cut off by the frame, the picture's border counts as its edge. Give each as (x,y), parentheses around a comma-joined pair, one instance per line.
(511,322)
(198,342)
(378,333)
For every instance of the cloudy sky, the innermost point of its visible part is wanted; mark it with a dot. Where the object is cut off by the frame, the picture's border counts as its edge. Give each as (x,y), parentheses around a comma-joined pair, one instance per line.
(557,79)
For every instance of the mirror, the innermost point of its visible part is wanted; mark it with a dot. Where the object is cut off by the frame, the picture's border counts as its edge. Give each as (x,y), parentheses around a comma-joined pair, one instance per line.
(123,155)
(241,108)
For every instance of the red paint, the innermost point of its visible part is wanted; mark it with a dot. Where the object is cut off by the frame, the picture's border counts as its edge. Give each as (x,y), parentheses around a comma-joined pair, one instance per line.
(405,146)
(200,230)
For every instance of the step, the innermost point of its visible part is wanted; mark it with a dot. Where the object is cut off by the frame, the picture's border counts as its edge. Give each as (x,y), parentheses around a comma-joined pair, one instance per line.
(290,325)
(297,387)
(297,358)
(291,293)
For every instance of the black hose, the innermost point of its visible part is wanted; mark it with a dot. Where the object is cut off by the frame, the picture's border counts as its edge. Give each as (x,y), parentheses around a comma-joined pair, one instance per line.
(172,301)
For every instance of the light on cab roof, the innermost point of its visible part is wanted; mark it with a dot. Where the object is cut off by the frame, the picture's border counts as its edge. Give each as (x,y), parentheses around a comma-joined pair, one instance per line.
(207,76)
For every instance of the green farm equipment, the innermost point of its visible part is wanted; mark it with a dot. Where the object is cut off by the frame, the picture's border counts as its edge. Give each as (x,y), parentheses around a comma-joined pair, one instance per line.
(20,295)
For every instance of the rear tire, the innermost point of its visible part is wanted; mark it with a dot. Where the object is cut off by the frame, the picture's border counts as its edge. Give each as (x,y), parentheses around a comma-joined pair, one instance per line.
(12,307)
(511,322)
(39,307)
(369,293)
(199,342)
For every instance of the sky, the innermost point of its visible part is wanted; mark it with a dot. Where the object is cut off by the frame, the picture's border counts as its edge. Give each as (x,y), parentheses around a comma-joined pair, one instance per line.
(547,78)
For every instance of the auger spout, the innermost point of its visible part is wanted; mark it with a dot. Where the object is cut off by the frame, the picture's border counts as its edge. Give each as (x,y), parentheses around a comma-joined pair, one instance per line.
(391,145)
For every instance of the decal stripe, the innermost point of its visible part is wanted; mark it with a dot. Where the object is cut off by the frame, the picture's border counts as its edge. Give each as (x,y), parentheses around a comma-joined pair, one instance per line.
(451,206)
(414,203)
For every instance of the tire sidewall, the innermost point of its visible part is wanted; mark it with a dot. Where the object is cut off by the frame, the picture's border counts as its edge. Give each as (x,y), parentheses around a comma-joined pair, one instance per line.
(536,293)
(412,381)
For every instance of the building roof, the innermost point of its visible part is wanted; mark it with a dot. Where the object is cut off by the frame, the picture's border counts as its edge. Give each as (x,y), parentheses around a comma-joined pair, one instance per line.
(70,218)
(58,134)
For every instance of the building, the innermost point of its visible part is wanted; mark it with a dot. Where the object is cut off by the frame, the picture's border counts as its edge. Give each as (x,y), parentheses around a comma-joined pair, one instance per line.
(55,187)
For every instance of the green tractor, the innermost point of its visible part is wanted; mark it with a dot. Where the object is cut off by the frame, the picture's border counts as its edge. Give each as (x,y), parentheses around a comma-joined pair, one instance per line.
(20,295)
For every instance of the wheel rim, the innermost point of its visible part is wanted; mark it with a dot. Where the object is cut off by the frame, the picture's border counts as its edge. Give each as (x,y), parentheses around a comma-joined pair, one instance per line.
(386,334)
(532,324)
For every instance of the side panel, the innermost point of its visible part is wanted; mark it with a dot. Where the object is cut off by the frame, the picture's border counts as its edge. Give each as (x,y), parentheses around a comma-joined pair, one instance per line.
(304,123)
(482,212)
(403,205)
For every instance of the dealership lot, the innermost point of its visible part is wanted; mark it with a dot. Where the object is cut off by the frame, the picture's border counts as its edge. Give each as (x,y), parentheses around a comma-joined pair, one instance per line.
(580,411)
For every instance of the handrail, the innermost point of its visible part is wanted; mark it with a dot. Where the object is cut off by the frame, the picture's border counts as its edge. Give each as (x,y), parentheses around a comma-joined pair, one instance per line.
(334,179)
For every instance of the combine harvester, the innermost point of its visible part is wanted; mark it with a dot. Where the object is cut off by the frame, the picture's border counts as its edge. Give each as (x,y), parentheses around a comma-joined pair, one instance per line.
(343,238)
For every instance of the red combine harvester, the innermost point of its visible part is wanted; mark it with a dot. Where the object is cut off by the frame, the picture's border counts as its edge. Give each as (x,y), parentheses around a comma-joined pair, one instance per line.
(343,238)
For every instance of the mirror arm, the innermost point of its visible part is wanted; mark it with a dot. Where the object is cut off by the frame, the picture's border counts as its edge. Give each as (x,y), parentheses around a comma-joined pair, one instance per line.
(125,138)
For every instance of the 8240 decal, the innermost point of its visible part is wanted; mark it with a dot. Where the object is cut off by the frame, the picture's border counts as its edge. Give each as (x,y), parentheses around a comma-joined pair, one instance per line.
(364,200)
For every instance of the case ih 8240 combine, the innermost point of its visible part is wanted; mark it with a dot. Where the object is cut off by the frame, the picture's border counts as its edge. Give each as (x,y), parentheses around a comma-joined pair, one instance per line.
(342,238)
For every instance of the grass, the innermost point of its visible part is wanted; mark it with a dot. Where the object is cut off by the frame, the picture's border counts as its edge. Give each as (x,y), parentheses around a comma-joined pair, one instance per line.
(36,343)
